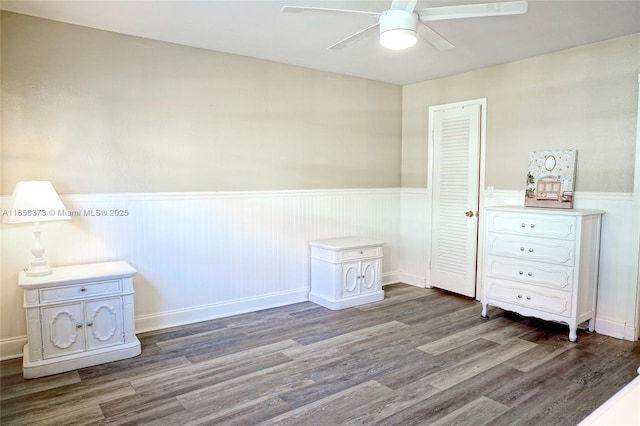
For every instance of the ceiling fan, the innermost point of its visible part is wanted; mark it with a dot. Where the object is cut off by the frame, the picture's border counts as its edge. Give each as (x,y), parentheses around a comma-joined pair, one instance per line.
(401,24)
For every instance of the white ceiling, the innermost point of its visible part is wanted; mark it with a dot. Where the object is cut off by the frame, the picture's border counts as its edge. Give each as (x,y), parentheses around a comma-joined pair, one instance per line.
(259,29)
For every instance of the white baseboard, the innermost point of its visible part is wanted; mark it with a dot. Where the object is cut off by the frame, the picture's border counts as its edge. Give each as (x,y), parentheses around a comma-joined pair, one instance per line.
(629,332)
(414,280)
(401,277)
(613,329)
(12,348)
(391,277)
(218,310)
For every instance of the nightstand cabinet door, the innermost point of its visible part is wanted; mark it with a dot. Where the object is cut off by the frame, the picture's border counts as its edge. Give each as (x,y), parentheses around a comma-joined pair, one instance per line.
(370,275)
(350,279)
(104,323)
(62,330)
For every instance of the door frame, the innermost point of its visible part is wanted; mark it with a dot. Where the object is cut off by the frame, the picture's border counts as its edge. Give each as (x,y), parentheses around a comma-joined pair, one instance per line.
(634,334)
(481,189)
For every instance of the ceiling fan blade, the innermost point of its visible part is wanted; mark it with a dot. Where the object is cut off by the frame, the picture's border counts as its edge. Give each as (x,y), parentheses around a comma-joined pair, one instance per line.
(354,38)
(407,5)
(326,11)
(433,38)
(472,11)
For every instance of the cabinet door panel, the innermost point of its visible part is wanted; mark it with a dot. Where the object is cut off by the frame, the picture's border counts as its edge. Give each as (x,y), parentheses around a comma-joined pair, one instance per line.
(369,274)
(63,330)
(104,323)
(350,279)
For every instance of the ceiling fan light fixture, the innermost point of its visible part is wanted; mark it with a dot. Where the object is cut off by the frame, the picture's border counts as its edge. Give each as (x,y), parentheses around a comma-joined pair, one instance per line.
(398,39)
(398,29)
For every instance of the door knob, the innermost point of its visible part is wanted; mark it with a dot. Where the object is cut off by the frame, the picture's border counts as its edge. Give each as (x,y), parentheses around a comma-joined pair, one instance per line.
(469,214)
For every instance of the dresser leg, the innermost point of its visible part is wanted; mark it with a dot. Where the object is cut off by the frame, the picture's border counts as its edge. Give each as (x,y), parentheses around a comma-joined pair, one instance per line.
(484,311)
(573,334)
(592,325)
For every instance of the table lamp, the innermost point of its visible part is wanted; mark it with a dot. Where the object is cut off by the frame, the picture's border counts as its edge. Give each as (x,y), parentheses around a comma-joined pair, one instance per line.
(35,202)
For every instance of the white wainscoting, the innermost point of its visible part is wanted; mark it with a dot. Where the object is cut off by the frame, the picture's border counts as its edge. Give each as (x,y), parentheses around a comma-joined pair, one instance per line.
(207,255)
(414,236)
(203,255)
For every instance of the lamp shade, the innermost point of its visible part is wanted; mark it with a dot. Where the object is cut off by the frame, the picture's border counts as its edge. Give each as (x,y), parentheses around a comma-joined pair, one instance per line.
(35,201)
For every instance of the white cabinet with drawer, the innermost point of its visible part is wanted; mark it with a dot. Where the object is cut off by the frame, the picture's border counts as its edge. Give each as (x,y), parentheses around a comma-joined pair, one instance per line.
(542,263)
(346,272)
(78,316)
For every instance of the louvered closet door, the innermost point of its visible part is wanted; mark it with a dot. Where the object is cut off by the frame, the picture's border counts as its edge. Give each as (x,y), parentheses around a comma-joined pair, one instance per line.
(456,146)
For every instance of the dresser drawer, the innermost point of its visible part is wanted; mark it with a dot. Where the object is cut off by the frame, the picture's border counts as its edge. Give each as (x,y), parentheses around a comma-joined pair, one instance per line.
(558,252)
(554,302)
(71,292)
(551,276)
(528,224)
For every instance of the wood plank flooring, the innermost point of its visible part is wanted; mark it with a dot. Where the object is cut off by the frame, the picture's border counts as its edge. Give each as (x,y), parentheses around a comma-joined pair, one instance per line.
(419,357)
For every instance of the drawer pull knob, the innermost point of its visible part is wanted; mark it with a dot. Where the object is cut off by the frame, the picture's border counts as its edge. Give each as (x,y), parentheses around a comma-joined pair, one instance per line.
(89,324)
(521,248)
(83,289)
(521,272)
(530,274)
(530,250)
(469,214)
(528,297)
(523,224)
(361,252)
(532,225)
(519,296)
(79,325)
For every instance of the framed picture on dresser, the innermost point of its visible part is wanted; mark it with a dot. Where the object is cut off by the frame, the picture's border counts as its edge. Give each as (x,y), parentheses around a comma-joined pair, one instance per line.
(550,179)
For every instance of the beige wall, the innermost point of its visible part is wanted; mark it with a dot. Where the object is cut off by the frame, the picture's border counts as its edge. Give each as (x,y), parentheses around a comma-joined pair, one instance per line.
(583,98)
(94,111)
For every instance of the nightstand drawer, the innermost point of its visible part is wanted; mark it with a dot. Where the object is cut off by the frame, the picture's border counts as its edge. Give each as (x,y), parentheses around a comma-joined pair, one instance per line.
(79,291)
(560,227)
(362,253)
(551,276)
(554,302)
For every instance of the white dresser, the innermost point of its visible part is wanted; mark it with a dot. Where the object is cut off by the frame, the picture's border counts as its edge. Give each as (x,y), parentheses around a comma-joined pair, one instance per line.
(542,263)
(78,316)
(346,272)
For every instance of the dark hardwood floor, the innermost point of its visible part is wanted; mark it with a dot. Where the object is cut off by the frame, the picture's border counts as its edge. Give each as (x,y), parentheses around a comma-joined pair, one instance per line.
(420,356)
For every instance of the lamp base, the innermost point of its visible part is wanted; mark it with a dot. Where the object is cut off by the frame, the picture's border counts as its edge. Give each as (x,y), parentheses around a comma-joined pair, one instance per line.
(38,268)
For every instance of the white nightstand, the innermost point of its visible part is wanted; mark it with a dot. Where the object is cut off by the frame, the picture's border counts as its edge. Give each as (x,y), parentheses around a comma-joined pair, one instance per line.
(346,272)
(77,317)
